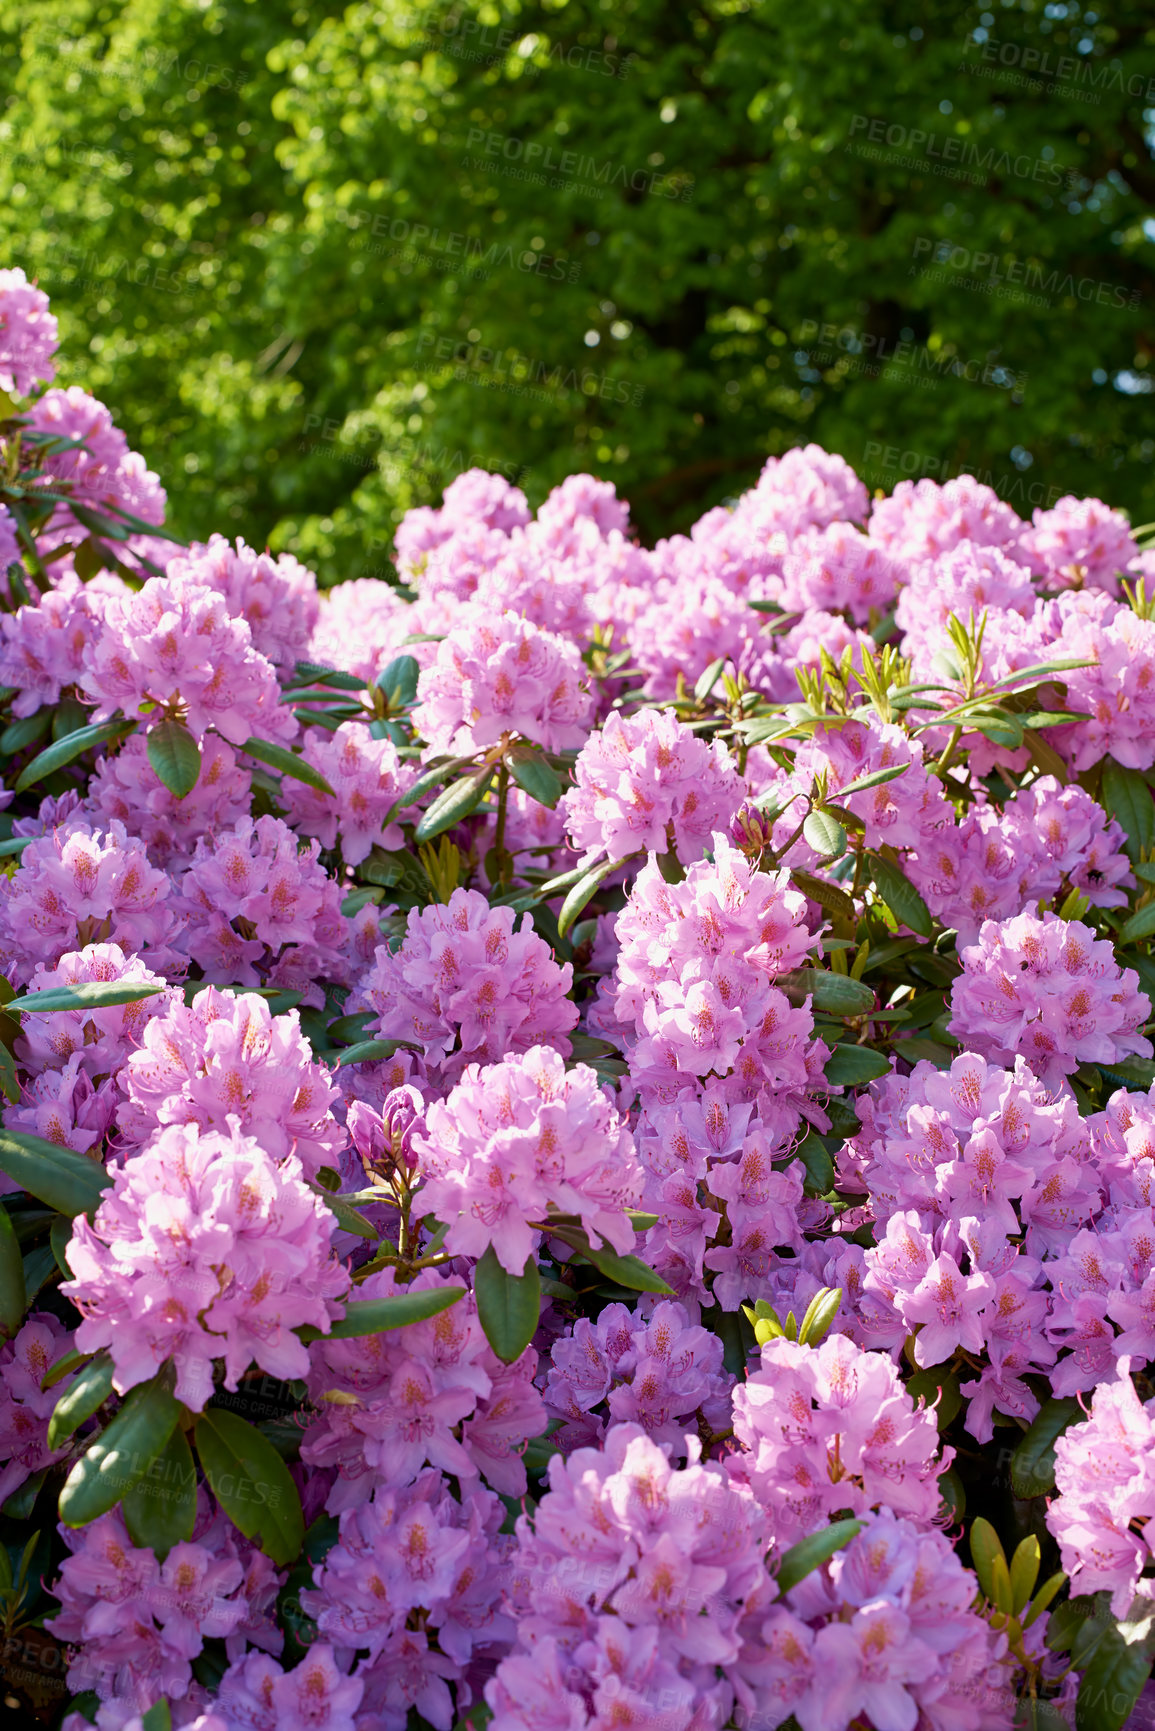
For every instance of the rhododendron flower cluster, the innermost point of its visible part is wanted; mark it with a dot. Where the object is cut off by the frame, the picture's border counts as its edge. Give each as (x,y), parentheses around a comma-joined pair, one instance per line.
(497,676)
(641,782)
(518,1140)
(277,597)
(1048,989)
(25,1405)
(27,333)
(206,1248)
(368,778)
(469,984)
(176,643)
(1105,1476)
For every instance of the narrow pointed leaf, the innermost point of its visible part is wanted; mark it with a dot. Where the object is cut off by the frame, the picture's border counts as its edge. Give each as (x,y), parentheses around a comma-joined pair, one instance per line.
(900,896)
(628,1271)
(454,804)
(66,1181)
(175,756)
(64,1366)
(810,1553)
(85,1394)
(160,1510)
(121,1454)
(985,1547)
(1024,1572)
(828,896)
(534,775)
(85,995)
(1125,794)
(12,1293)
(508,1305)
(66,750)
(875,779)
(582,893)
(286,762)
(820,1314)
(252,1483)
(376,1315)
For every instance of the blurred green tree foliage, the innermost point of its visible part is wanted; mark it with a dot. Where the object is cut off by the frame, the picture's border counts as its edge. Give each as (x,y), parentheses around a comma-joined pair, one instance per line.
(316,264)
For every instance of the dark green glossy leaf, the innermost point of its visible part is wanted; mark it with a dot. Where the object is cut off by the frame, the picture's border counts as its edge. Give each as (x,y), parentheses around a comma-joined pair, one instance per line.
(121,1454)
(67,750)
(875,779)
(533,774)
(810,1553)
(1111,1684)
(175,756)
(13,1298)
(1033,1462)
(251,1482)
(583,893)
(85,1394)
(286,762)
(454,804)
(85,995)
(399,681)
(837,993)
(900,896)
(1125,794)
(828,896)
(848,1066)
(160,1510)
(508,1305)
(64,1180)
(376,1315)
(628,1271)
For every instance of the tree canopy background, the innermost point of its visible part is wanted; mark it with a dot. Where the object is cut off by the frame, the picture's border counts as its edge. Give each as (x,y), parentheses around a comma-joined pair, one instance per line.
(319,260)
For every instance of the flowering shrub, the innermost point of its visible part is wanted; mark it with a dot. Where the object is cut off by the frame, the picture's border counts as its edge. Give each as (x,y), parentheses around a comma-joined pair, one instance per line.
(579,1134)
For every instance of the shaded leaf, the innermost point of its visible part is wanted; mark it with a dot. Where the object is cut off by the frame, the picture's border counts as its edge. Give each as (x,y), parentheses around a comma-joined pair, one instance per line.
(900,896)
(454,804)
(828,896)
(508,1305)
(85,1394)
(160,1510)
(121,1454)
(251,1482)
(1127,797)
(175,756)
(13,1297)
(67,750)
(1114,1679)
(847,1066)
(533,774)
(1033,1461)
(628,1271)
(65,1180)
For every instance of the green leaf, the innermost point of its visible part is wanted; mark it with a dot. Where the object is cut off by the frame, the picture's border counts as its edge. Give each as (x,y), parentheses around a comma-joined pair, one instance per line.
(986,1547)
(1033,1462)
(583,892)
(824,834)
(810,1553)
(251,1482)
(628,1271)
(1112,1682)
(13,1297)
(85,995)
(286,762)
(72,746)
(816,1158)
(533,775)
(85,1394)
(707,679)
(837,993)
(66,1181)
(828,896)
(376,1315)
(875,779)
(367,1051)
(40,1267)
(18,735)
(399,681)
(848,1066)
(160,1510)
(1127,797)
(159,1715)
(311,673)
(508,1305)
(900,896)
(121,1454)
(1024,1572)
(454,804)
(63,1367)
(60,1236)
(938,1383)
(175,756)
(819,1317)
(1140,925)
(349,1220)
